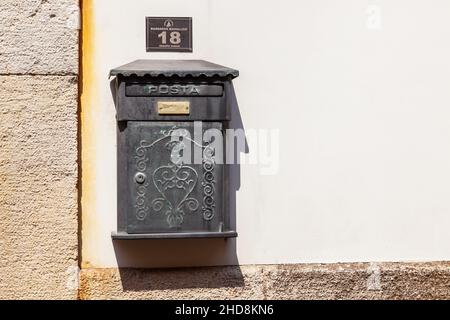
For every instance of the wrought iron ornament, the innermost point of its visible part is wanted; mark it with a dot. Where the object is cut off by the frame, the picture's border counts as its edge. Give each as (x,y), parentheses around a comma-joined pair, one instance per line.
(175,182)
(208,183)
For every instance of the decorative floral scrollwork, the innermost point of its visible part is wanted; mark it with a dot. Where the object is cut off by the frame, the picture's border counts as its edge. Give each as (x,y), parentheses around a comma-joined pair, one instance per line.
(141,151)
(141,158)
(175,182)
(141,206)
(182,179)
(208,183)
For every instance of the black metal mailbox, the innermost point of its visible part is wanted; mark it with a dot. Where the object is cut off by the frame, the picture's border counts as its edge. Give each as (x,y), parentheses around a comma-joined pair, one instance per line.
(164,110)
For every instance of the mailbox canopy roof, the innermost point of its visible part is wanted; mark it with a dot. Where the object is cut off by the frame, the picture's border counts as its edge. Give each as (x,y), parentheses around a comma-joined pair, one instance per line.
(171,68)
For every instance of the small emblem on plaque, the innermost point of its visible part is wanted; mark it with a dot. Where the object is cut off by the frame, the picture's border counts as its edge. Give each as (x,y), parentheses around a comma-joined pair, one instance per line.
(168,23)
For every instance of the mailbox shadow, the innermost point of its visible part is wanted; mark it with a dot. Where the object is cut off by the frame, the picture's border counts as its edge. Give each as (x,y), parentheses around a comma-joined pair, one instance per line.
(182,253)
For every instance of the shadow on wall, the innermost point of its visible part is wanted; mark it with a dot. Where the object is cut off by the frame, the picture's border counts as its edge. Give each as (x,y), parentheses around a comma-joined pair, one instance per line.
(186,278)
(173,253)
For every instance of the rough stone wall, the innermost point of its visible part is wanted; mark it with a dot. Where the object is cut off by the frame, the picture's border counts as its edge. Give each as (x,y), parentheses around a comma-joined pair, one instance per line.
(38,149)
(297,281)
(39,37)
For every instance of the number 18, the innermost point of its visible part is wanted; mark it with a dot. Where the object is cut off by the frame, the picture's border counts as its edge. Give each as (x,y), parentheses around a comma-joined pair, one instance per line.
(174,37)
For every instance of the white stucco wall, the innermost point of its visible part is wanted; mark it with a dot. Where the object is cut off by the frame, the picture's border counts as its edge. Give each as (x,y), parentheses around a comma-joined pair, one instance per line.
(363,112)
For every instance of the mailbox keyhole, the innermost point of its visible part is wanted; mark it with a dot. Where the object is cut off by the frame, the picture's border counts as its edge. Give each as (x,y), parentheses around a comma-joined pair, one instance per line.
(140,177)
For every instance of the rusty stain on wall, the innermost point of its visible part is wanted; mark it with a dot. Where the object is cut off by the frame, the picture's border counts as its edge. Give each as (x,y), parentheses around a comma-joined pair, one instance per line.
(89,109)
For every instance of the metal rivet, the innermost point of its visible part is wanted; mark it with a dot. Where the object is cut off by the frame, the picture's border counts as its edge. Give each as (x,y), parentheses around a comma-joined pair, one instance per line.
(140,177)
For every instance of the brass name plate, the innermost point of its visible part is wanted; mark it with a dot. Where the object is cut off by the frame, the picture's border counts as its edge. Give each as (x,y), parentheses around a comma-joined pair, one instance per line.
(173,107)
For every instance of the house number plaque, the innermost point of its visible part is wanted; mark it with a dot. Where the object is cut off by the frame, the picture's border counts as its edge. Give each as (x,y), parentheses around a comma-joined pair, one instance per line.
(169,34)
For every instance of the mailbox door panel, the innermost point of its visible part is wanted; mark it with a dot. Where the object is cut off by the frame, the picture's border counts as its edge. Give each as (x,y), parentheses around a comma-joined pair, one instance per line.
(168,190)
